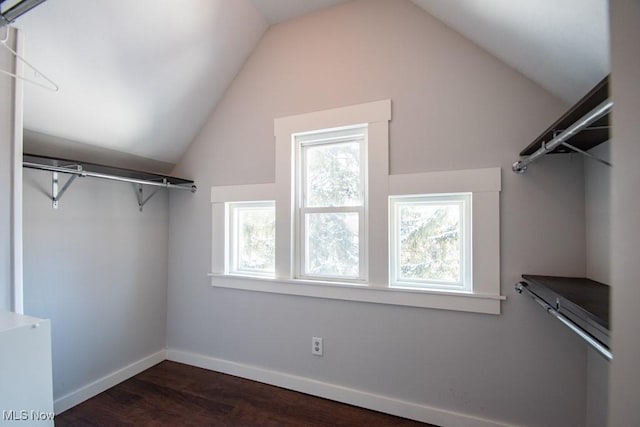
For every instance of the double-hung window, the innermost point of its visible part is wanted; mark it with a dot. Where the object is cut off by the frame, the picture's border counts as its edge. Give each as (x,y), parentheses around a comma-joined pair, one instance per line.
(331,204)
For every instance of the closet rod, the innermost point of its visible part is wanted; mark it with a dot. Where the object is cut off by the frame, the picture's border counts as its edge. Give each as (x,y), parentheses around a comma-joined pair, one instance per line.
(601,110)
(83,173)
(590,339)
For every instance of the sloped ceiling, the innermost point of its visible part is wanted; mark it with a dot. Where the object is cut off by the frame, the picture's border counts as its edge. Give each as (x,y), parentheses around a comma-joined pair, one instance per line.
(563,45)
(143,76)
(135,76)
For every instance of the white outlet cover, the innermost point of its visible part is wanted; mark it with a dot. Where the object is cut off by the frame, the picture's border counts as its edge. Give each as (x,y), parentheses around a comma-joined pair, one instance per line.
(316,346)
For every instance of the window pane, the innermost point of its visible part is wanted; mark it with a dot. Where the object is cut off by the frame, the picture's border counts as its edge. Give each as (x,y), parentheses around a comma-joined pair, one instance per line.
(332,244)
(430,242)
(332,176)
(255,246)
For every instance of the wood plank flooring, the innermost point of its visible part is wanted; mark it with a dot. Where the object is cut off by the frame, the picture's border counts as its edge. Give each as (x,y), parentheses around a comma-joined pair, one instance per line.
(173,394)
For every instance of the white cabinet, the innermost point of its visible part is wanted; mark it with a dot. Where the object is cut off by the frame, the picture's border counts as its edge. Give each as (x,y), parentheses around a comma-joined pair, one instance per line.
(26,389)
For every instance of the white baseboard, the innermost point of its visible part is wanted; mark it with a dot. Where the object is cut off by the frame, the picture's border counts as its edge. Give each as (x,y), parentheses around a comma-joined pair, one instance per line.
(80,395)
(335,392)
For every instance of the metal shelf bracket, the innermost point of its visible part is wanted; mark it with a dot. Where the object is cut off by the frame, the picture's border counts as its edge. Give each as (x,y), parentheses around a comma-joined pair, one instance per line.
(56,191)
(587,154)
(138,188)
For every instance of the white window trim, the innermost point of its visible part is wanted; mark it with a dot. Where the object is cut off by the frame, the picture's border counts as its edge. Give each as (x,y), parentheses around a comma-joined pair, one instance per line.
(474,303)
(484,184)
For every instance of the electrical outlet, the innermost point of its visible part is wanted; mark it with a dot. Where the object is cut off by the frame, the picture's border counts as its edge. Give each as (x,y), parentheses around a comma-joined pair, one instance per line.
(316,346)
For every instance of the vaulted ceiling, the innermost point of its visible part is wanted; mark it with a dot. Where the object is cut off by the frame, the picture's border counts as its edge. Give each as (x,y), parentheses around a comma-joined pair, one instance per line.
(143,76)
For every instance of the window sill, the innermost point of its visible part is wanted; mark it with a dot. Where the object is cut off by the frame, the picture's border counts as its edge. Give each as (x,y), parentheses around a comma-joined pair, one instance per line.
(457,301)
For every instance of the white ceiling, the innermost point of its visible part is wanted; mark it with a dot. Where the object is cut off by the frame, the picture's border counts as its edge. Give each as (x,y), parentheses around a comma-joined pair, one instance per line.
(142,76)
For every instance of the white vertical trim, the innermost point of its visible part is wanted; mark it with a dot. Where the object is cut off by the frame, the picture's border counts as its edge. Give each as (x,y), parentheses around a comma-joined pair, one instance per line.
(486,242)
(378,212)
(284,204)
(219,237)
(16,194)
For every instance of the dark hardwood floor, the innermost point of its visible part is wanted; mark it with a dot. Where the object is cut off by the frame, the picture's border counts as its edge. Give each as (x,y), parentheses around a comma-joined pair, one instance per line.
(173,394)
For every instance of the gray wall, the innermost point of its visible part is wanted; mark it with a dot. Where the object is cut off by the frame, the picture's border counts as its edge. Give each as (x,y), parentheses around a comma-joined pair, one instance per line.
(454,106)
(6,178)
(625,207)
(97,268)
(597,389)
(597,191)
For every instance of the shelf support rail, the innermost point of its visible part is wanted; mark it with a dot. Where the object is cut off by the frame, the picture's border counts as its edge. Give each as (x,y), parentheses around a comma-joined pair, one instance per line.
(78,171)
(601,110)
(590,339)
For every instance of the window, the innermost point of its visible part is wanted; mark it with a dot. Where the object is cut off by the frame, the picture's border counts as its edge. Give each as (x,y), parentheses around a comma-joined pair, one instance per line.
(250,238)
(345,228)
(430,242)
(243,230)
(331,204)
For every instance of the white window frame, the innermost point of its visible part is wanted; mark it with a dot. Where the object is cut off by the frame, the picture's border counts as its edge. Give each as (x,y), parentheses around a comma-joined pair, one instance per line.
(325,137)
(232,237)
(221,197)
(464,201)
(483,184)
